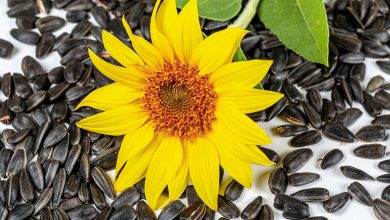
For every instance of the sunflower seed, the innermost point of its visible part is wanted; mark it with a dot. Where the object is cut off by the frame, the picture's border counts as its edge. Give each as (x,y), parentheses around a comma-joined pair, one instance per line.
(84,193)
(11,191)
(233,190)
(359,193)
(384,165)
(49,24)
(73,156)
(46,214)
(57,91)
(292,93)
(349,116)
(312,195)
(128,197)
(328,111)
(26,22)
(35,100)
(103,181)
(144,212)
(293,114)
(191,195)
(337,98)
(313,96)
(338,132)
(54,136)
(372,106)
(97,197)
(372,133)
(384,66)
(300,179)
(17,162)
(194,211)
(295,211)
(36,175)
(381,209)
(124,212)
(252,210)
(375,83)
(386,193)
(102,144)
(18,136)
(5,156)
(7,86)
(276,108)
(306,138)
(385,178)
(73,71)
(45,45)
(21,211)
(265,213)
(27,190)
(6,48)
(383,98)
(50,169)
(297,159)
(60,151)
(58,186)
(370,151)
(271,154)
(43,199)
(44,154)
(81,29)
(277,181)
(300,71)
(82,212)
(331,158)
(70,204)
(336,202)
(281,199)
(355,173)
(75,16)
(59,214)
(40,116)
(107,159)
(227,208)
(72,185)
(59,111)
(16,104)
(25,36)
(172,210)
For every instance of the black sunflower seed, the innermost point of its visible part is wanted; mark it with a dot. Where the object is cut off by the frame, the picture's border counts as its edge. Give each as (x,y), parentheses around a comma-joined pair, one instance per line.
(306,138)
(371,105)
(271,154)
(17,162)
(266,213)
(43,199)
(300,179)
(252,210)
(128,197)
(172,210)
(49,24)
(297,159)
(45,45)
(58,186)
(36,175)
(293,114)
(349,116)
(25,36)
(370,151)
(336,202)
(381,209)
(385,178)
(26,22)
(82,212)
(97,197)
(72,185)
(281,199)
(21,211)
(328,111)
(295,211)
(359,193)
(331,158)
(84,194)
(227,208)
(70,204)
(55,135)
(26,187)
(372,133)
(277,181)
(386,193)
(375,83)
(5,156)
(355,173)
(338,132)
(312,195)
(6,48)
(103,181)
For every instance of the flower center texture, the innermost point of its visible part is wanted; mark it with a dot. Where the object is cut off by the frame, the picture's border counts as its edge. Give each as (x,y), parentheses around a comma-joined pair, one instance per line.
(179,102)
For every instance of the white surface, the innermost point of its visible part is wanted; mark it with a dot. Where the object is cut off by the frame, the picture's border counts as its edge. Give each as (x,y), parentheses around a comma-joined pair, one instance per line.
(331,179)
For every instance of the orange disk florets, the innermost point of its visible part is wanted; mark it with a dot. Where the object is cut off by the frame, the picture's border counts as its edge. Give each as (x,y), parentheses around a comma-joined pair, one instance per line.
(179,102)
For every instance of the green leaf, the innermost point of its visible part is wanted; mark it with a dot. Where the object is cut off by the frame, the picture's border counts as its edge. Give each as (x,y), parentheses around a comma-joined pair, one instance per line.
(239,55)
(218,10)
(300,24)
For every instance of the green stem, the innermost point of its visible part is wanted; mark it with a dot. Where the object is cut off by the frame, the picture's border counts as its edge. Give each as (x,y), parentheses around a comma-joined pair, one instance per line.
(246,16)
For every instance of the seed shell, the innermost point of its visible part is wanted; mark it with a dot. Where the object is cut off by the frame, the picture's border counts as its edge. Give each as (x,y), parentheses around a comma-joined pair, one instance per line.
(297,159)
(359,193)
(336,202)
(370,151)
(300,179)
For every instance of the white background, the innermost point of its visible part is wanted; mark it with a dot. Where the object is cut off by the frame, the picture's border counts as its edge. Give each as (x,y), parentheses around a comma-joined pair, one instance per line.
(332,179)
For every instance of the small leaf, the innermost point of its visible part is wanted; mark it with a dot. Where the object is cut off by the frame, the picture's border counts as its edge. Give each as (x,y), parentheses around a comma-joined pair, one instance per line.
(239,55)
(218,10)
(300,24)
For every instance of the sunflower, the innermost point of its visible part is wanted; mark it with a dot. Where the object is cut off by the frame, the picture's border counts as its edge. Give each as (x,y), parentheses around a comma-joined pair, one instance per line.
(180,103)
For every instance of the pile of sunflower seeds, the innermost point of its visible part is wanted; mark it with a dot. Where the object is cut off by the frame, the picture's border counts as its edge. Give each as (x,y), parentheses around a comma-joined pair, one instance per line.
(51,169)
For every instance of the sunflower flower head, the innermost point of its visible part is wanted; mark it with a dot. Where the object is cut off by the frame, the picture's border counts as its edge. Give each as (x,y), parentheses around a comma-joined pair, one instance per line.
(180,103)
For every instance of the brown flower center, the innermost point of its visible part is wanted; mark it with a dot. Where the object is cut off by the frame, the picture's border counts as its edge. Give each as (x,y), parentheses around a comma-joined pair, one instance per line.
(180,103)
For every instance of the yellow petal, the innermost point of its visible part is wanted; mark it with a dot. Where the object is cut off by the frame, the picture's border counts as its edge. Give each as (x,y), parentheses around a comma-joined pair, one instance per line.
(158,39)
(204,170)
(239,169)
(248,100)
(133,76)
(136,166)
(148,53)
(119,51)
(217,50)
(180,181)
(242,74)
(228,138)
(189,34)
(117,121)
(111,96)
(245,130)
(167,20)
(133,144)
(164,165)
